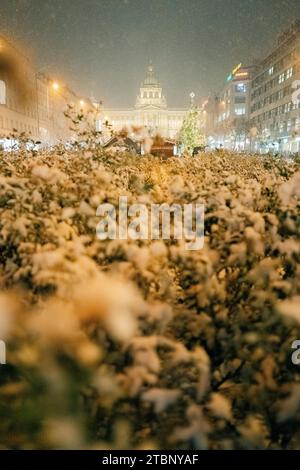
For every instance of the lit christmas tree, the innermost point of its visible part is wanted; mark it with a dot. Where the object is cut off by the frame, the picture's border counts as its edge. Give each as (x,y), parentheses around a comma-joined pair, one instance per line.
(190,136)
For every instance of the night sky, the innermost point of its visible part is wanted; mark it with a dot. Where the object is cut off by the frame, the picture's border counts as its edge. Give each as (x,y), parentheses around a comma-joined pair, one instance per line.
(103,46)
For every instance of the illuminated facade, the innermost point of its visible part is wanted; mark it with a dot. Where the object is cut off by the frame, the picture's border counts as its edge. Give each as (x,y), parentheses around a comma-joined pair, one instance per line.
(257,110)
(150,111)
(275,115)
(31,103)
(228,113)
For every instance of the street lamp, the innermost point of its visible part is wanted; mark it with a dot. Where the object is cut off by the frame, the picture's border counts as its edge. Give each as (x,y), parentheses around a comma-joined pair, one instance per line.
(55,86)
(192,98)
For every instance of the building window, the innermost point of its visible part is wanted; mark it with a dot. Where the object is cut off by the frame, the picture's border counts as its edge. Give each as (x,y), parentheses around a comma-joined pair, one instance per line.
(281,78)
(289,73)
(271,70)
(240,88)
(2,92)
(240,99)
(240,111)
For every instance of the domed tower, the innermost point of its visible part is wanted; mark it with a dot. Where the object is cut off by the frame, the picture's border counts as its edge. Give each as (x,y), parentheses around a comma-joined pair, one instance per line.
(150,95)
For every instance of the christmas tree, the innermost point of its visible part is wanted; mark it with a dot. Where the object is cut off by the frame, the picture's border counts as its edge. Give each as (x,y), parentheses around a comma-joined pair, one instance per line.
(190,136)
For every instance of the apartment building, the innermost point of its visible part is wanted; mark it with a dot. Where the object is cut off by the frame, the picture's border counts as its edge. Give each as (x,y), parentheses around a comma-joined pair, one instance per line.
(53,101)
(274,115)
(227,114)
(32,103)
(18,106)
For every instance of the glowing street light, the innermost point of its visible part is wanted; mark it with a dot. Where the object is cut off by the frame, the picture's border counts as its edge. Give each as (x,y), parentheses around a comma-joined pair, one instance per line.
(55,86)
(192,98)
(82,103)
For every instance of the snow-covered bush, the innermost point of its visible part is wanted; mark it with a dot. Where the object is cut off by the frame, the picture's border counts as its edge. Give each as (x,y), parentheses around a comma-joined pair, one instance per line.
(116,344)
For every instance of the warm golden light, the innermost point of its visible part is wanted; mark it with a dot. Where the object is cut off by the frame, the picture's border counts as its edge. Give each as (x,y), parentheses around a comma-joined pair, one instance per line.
(55,86)
(242,74)
(82,103)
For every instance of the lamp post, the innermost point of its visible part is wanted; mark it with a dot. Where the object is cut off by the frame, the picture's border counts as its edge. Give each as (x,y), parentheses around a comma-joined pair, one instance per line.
(192,98)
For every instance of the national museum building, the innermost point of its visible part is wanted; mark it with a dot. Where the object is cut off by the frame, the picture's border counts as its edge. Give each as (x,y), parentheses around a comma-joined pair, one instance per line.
(150,111)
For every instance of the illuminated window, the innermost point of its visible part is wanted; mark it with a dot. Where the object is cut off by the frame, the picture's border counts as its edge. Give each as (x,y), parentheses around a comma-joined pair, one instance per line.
(98,125)
(287,107)
(289,73)
(281,78)
(271,70)
(240,88)
(240,111)
(2,92)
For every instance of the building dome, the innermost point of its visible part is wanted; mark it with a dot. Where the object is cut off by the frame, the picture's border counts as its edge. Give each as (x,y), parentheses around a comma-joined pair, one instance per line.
(150,94)
(150,80)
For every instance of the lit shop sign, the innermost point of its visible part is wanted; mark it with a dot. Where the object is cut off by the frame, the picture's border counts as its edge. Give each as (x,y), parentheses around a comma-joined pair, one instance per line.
(233,72)
(241,74)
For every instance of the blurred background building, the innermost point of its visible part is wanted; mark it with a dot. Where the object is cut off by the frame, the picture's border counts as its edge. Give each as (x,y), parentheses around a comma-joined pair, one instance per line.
(32,103)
